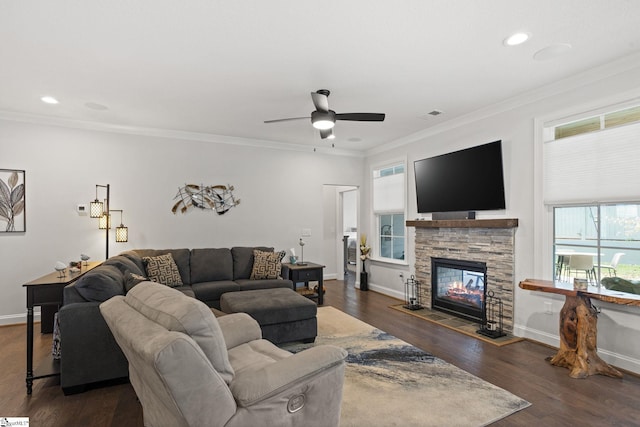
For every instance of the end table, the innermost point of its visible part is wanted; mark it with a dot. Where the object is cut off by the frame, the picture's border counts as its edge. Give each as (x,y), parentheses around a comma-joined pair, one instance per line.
(306,273)
(46,293)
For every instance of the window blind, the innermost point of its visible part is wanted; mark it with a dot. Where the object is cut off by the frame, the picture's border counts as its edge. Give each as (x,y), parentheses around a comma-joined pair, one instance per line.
(598,166)
(388,193)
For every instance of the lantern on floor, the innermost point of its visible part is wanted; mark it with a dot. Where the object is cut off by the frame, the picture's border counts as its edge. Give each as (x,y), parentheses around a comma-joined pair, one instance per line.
(493,325)
(412,294)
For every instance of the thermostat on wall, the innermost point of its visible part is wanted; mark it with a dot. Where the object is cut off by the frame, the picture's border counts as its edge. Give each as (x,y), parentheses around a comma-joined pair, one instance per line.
(82,209)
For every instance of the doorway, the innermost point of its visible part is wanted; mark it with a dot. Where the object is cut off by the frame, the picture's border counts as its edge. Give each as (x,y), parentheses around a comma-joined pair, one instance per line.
(340,231)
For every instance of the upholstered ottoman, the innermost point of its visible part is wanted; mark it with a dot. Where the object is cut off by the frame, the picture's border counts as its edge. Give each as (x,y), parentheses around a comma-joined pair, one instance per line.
(283,314)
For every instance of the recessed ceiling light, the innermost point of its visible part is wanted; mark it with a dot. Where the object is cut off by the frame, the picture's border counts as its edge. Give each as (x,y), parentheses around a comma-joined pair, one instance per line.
(516,39)
(49,100)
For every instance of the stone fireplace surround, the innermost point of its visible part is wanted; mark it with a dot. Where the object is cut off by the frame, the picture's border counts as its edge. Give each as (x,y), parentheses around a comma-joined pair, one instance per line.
(485,240)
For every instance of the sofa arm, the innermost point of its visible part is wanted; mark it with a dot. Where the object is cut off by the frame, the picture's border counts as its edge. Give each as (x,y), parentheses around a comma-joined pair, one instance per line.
(239,328)
(251,387)
(89,351)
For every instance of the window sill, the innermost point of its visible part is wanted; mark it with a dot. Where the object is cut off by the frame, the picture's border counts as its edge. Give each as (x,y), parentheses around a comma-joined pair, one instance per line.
(401,262)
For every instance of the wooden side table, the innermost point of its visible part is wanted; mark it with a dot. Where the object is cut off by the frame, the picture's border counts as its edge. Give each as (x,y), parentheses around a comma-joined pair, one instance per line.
(46,293)
(309,272)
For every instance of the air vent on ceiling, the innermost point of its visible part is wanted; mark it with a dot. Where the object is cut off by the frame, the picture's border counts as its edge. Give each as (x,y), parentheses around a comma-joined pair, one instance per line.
(431,114)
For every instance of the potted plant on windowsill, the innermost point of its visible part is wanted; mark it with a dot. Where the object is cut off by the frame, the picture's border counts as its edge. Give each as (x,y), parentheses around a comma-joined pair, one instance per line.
(364,255)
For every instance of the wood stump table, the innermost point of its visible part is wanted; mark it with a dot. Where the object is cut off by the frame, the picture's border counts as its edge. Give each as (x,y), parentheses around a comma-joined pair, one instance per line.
(578,326)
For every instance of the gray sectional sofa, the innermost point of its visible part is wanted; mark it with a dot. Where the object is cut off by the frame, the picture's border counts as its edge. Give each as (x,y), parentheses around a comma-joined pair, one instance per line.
(90,354)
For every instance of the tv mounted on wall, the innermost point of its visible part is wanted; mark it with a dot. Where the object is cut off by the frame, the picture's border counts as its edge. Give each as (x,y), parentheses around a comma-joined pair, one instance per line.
(462,181)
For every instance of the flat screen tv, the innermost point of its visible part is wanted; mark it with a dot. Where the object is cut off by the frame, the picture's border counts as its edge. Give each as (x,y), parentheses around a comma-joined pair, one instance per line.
(466,180)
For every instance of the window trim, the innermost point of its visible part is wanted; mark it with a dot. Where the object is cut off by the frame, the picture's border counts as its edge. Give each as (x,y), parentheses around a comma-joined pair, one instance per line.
(543,214)
(375,216)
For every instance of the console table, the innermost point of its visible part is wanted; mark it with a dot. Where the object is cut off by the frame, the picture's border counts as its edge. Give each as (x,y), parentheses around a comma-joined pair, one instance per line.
(46,293)
(578,326)
(306,273)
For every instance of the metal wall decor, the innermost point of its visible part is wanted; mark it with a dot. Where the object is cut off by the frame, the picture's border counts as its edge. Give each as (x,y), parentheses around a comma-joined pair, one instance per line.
(218,198)
(12,201)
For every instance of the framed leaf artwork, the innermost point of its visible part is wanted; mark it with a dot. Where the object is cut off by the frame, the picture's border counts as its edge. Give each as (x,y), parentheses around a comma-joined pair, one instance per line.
(12,201)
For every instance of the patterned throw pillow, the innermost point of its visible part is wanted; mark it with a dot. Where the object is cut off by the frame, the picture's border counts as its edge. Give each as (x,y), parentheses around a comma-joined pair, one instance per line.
(266,265)
(163,269)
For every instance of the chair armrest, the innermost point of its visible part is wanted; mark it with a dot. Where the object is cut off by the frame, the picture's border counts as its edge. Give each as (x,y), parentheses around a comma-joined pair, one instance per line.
(239,328)
(250,387)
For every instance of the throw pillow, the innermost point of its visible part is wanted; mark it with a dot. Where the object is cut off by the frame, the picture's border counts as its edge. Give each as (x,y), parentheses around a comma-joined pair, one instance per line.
(163,269)
(266,265)
(132,279)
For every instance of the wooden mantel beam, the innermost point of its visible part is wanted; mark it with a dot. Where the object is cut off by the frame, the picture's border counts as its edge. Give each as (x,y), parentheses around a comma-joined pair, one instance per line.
(465,223)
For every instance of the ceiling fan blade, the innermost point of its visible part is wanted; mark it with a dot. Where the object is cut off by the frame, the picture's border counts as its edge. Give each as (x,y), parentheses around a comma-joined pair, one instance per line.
(321,101)
(286,120)
(361,117)
(326,133)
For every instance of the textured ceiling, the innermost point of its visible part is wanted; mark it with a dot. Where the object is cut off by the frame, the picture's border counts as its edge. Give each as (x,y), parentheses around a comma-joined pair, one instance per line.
(223,67)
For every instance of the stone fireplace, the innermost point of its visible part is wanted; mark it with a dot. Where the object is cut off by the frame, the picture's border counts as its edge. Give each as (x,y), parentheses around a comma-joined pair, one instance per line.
(488,241)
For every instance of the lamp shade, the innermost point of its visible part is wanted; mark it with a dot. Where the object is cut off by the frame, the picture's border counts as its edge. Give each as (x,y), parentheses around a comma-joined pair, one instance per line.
(96,209)
(104,222)
(122,234)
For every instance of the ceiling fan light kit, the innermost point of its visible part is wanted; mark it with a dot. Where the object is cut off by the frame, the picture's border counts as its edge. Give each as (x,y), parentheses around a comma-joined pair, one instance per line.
(324,119)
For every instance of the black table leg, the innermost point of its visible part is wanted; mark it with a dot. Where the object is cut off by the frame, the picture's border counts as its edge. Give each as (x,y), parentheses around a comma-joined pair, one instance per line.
(29,349)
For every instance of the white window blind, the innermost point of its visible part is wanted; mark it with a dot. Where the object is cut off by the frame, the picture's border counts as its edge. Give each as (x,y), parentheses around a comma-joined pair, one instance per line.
(388,193)
(598,166)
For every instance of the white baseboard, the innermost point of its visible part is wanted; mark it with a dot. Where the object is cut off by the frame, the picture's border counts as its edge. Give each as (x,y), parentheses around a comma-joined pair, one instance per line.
(384,290)
(618,360)
(16,319)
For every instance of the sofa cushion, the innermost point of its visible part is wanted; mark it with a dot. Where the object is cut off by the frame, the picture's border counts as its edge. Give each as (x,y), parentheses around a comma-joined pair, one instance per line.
(134,257)
(266,265)
(211,264)
(212,291)
(177,312)
(163,269)
(124,264)
(243,260)
(101,283)
(180,256)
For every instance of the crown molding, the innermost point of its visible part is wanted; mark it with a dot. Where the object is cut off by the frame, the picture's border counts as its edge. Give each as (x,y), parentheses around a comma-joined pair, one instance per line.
(581,79)
(171,134)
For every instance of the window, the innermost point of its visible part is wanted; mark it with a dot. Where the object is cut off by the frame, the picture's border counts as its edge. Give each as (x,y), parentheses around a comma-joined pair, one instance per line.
(590,176)
(389,211)
(598,242)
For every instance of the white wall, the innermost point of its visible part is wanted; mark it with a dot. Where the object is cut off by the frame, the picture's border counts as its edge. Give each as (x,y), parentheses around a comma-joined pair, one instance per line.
(281,192)
(513,123)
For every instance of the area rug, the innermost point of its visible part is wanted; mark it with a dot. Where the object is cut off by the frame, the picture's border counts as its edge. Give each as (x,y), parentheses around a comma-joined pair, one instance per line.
(389,382)
(463,326)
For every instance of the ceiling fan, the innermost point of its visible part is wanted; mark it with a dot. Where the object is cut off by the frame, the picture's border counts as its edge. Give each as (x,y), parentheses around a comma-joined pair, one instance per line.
(324,119)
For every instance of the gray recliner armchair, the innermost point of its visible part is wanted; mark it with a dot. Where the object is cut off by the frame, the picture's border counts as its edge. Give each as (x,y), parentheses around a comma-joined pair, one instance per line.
(190,369)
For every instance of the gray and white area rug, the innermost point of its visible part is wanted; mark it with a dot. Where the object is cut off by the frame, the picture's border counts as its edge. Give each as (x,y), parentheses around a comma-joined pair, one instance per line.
(389,382)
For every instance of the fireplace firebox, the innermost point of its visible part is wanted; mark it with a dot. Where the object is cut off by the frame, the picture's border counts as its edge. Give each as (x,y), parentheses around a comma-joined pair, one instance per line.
(459,287)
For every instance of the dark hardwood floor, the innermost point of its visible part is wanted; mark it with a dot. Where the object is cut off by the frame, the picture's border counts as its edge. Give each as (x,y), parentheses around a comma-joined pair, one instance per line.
(520,368)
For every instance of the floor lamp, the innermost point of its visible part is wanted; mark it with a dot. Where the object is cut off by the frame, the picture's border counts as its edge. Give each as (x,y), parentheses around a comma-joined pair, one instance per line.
(102,211)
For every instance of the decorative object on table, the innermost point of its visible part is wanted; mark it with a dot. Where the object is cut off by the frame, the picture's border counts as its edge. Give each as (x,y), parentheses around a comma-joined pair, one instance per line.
(12,201)
(493,326)
(60,268)
(85,258)
(218,198)
(102,211)
(364,255)
(301,243)
(412,294)
(293,258)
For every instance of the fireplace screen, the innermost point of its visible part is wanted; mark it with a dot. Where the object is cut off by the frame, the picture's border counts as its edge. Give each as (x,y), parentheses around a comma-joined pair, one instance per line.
(459,287)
